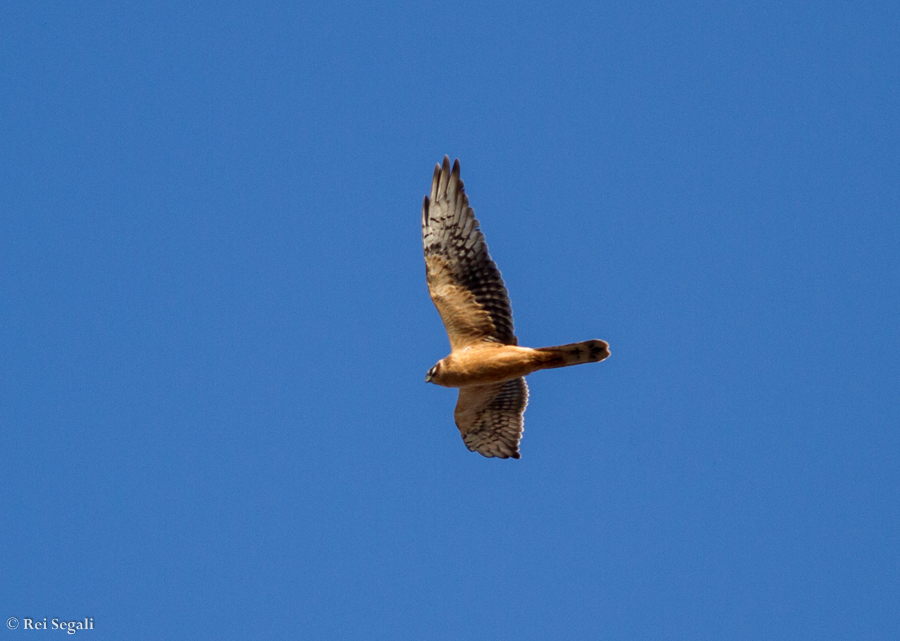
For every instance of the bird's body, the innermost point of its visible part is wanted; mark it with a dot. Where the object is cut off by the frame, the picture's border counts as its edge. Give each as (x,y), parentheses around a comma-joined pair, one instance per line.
(485,362)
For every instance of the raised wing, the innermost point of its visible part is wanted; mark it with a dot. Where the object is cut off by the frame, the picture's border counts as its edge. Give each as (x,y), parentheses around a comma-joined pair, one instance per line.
(489,417)
(463,281)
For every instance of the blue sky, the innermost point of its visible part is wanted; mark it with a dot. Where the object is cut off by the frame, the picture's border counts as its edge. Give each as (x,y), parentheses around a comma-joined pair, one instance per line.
(213,416)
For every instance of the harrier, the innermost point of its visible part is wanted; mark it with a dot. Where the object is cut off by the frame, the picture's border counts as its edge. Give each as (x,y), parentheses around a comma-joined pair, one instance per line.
(485,361)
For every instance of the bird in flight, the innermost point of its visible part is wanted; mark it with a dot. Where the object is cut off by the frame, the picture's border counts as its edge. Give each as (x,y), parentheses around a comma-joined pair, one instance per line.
(485,361)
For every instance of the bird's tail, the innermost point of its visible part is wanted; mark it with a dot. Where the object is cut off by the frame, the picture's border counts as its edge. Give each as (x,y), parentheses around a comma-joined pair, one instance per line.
(592,351)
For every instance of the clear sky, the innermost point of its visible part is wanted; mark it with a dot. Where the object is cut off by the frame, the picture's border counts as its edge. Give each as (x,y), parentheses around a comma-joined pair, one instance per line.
(214,324)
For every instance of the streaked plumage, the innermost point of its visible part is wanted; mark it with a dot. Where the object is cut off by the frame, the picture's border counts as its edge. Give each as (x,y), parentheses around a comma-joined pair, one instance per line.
(485,361)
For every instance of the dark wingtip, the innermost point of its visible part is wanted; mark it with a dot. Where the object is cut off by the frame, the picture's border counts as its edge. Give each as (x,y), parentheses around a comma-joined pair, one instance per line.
(455,166)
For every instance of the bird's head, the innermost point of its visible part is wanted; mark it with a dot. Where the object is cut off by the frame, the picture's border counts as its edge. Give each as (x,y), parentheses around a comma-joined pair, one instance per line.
(429,377)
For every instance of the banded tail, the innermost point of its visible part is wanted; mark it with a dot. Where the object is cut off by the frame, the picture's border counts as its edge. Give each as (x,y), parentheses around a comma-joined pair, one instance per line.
(592,351)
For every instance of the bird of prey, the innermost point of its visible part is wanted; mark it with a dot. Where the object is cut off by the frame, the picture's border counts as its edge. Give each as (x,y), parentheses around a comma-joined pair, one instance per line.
(485,361)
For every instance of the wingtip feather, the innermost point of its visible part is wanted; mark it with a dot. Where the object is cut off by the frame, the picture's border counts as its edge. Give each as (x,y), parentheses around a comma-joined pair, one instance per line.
(435,181)
(444,178)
